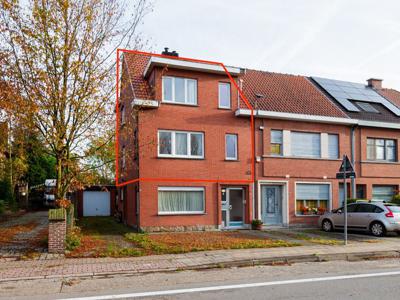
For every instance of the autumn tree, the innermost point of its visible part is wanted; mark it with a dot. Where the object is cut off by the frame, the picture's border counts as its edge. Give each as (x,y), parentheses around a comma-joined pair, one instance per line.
(61,58)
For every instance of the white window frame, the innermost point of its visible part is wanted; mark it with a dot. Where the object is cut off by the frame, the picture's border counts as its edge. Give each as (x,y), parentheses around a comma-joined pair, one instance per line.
(219,95)
(173,155)
(312,183)
(306,156)
(173,101)
(236,148)
(182,189)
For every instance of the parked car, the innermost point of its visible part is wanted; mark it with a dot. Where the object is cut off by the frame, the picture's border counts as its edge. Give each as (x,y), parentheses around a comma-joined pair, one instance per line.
(374,217)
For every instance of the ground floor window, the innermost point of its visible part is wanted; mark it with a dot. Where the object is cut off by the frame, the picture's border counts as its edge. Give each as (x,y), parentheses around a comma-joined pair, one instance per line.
(312,199)
(361,191)
(180,200)
(383,192)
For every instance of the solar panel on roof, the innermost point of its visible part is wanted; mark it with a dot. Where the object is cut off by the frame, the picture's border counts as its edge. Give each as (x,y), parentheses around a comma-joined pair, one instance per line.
(365,106)
(344,91)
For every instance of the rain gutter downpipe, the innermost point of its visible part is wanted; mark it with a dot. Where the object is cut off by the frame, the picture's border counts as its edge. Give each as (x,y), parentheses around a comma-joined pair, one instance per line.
(352,145)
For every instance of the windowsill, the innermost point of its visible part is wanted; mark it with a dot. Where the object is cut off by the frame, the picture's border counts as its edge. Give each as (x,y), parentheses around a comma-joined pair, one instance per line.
(231,160)
(181,213)
(181,104)
(380,162)
(307,216)
(301,157)
(225,108)
(178,157)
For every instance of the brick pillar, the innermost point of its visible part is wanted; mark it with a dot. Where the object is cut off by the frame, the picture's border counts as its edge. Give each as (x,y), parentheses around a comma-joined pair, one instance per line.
(57,235)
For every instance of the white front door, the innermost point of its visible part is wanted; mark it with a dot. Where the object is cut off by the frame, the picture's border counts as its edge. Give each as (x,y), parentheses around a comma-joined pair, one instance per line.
(233,205)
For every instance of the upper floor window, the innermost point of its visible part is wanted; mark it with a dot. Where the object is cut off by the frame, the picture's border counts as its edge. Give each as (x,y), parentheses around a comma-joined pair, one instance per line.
(381,149)
(305,144)
(123,157)
(231,143)
(276,142)
(179,90)
(224,95)
(180,144)
(333,146)
(122,116)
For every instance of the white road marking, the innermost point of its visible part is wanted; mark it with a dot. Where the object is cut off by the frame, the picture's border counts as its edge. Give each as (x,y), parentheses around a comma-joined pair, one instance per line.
(235,286)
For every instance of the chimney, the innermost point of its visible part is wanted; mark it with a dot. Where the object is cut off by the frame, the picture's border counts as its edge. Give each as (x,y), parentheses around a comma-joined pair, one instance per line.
(375,83)
(170,53)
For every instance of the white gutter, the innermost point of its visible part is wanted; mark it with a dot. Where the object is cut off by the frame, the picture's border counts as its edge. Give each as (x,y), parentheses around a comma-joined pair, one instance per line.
(187,65)
(315,118)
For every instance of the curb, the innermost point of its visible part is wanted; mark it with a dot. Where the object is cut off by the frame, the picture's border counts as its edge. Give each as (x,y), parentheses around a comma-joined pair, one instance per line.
(269,261)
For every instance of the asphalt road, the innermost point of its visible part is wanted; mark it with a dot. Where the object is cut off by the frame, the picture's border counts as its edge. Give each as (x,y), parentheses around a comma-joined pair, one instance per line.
(330,280)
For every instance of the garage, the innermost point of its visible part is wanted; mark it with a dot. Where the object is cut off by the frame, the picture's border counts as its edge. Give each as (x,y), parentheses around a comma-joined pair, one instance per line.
(96,203)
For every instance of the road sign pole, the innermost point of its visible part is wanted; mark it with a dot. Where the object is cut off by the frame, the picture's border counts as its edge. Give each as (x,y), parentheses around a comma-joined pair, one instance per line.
(345,200)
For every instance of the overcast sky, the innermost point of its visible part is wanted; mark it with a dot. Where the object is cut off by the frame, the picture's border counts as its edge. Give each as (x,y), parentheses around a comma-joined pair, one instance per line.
(344,39)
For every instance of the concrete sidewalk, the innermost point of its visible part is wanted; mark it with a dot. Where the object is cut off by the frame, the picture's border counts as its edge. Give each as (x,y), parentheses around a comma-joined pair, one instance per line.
(58,268)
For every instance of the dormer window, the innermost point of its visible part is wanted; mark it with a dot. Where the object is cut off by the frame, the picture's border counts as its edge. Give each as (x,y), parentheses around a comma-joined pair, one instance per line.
(179,90)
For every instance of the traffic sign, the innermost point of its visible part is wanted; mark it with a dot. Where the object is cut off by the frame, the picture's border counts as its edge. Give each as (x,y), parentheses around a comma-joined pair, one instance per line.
(346,165)
(348,175)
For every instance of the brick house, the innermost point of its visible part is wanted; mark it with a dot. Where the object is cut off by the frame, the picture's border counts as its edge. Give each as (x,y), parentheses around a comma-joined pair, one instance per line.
(185,144)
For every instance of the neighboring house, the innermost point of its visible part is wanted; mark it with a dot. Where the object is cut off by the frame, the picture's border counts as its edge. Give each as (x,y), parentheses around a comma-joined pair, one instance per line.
(186,133)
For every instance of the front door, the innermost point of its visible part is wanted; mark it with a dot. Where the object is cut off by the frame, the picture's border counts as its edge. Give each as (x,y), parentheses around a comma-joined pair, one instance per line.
(233,207)
(271,204)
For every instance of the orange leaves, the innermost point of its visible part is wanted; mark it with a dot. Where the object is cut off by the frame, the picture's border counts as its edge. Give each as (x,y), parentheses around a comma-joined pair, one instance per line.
(7,234)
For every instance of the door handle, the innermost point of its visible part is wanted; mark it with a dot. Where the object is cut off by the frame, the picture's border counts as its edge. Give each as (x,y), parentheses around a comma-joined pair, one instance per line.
(230,206)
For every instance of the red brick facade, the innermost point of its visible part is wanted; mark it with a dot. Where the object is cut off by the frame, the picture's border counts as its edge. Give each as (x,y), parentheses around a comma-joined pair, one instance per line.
(139,137)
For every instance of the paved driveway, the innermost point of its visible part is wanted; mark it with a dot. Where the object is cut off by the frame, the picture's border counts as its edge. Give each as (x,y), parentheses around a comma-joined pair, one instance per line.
(24,234)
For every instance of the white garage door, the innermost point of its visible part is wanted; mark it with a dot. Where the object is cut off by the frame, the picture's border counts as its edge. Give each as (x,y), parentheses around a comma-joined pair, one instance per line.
(96,204)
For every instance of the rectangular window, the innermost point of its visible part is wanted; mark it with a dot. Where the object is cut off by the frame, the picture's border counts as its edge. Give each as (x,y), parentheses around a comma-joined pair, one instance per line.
(181,200)
(179,90)
(123,157)
(224,95)
(122,116)
(304,144)
(231,143)
(383,192)
(276,142)
(312,199)
(333,146)
(180,144)
(381,149)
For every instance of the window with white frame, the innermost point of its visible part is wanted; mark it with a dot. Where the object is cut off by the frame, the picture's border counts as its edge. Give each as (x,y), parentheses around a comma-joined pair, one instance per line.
(123,157)
(306,144)
(180,144)
(312,199)
(333,146)
(181,200)
(179,90)
(231,145)
(224,95)
(276,142)
(381,149)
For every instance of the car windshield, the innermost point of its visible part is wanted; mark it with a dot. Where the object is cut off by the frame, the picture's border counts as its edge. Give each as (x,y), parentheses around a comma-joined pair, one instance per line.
(395,209)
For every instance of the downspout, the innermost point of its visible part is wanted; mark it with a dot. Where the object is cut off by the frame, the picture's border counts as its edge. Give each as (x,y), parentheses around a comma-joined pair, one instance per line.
(352,145)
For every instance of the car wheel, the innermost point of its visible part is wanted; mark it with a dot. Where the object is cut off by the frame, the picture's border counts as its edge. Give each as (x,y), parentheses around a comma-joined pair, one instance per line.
(327,225)
(377,229)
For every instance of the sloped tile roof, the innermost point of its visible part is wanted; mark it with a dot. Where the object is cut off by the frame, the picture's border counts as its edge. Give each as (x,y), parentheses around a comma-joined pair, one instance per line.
(136,63)
(391,94)
(287,93)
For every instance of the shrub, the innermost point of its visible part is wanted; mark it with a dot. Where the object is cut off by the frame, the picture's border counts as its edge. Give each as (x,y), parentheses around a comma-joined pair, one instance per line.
(396,199)
(73,239)
(2,207)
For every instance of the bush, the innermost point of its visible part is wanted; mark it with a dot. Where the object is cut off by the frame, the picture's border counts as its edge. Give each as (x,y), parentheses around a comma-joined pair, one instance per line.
(2,207)
(396,199)
(73,239)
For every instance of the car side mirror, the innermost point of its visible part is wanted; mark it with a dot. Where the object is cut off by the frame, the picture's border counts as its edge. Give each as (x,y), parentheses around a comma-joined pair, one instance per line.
(339,211)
